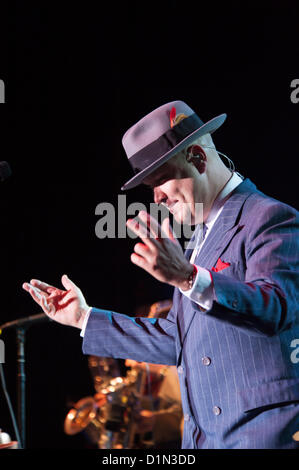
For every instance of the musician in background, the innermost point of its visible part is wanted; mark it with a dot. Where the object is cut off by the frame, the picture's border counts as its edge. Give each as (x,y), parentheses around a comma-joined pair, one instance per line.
(161,416)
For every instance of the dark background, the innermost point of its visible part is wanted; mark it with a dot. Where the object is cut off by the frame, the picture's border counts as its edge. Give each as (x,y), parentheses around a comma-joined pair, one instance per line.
(76,78)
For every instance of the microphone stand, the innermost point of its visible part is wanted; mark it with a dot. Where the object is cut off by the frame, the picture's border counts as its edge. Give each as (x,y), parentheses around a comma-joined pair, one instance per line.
(21,384)
(21,325)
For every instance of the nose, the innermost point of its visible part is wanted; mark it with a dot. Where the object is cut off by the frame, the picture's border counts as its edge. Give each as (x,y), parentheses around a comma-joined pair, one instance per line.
(159,195)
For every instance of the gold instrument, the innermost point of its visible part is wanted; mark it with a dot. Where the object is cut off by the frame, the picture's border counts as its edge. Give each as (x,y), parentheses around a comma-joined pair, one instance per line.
(108,418)
(105,417)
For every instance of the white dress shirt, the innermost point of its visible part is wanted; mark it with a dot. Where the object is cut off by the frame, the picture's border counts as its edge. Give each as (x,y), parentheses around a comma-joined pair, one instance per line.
(202,289)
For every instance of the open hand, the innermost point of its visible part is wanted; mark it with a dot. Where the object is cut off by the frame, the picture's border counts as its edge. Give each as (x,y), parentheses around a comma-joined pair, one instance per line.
(160,254)
(64,306)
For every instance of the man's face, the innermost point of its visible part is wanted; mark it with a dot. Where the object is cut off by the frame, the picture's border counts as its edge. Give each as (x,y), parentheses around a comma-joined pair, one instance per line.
(176,184)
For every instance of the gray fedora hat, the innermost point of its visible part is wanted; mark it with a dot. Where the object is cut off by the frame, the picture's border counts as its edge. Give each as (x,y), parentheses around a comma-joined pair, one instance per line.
(160,135)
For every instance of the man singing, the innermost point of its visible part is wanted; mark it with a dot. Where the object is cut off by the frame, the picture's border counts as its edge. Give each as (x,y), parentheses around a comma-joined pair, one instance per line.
(235,304)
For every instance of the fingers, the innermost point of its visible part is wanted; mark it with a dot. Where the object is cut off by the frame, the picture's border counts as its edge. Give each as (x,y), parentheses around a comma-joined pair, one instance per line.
(26,286)
(142,250)
(146,228)
(48,297)
(139,261)
(43,286)
(34,291)
(48,307)
(40,298)
(47,288)
(68,284)
(151,223)
(166,228)
(156,230)
(151,233)
(141,230)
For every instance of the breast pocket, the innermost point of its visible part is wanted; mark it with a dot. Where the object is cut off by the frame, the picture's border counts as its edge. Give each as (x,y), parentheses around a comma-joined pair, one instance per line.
(230,268)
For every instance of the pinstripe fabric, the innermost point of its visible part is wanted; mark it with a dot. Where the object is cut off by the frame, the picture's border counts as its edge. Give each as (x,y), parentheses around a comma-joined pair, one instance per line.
(246,395)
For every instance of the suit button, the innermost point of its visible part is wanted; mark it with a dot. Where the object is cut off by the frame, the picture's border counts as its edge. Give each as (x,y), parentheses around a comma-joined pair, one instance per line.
(186,417)
(216,410)
(180,369)
(206,361)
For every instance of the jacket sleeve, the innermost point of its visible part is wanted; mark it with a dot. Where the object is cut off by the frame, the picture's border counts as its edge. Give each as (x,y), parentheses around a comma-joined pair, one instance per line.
(111,334)
(267,302)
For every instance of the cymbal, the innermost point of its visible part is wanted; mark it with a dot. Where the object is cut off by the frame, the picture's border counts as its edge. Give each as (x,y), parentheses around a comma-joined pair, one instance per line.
(79,417)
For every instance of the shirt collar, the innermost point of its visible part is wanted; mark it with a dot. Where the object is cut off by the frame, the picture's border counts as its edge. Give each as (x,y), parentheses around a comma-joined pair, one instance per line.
(222,197)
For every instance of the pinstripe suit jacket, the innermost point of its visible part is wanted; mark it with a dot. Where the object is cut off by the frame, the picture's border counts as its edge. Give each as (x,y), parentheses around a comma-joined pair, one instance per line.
(235,359)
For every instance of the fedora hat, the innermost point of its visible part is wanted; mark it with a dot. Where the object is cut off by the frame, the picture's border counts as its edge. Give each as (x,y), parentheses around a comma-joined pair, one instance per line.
(160,135)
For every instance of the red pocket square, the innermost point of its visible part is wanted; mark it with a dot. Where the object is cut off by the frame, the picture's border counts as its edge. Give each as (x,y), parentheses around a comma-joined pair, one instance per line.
(220,265)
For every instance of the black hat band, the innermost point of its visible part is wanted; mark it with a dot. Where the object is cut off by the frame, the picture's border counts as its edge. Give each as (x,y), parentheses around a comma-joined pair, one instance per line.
(166,142)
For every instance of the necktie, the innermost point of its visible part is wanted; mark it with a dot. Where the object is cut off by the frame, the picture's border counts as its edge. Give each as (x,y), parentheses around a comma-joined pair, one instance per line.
(204,230)
(191,253)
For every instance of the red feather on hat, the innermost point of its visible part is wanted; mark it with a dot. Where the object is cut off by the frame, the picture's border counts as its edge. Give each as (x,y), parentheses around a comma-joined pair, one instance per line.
(172,116)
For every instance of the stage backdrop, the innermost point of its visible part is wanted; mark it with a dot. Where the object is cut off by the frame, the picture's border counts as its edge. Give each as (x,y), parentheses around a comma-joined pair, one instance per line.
(76,79)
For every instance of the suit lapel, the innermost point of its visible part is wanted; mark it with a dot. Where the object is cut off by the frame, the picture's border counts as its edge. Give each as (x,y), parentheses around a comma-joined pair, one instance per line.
(188,251)
(225,227)
(222,232)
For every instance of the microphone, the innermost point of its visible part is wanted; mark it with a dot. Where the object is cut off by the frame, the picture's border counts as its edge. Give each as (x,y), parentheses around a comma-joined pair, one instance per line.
(5,171)
(25,322)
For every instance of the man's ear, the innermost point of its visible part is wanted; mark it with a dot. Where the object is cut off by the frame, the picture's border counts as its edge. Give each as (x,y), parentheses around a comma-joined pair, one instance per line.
(197,156)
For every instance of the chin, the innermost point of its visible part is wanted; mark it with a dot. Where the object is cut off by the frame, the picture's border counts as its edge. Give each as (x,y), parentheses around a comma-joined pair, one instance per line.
(183,217)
